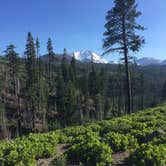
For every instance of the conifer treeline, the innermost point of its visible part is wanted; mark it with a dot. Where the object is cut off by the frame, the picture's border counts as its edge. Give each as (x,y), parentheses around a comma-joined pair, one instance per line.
(39,94)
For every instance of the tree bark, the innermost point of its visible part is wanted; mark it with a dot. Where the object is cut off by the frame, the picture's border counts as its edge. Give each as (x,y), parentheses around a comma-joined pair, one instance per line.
(19,109)
(128,87)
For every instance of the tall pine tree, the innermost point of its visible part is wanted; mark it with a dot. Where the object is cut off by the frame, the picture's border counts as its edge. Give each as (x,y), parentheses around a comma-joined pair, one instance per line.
(64,67)
(31,78)
(14,84)
(50,66)
(121,35)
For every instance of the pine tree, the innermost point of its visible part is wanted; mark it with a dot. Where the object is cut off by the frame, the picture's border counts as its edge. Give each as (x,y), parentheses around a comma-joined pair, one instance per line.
(83,84)
(70,103)
(66,91)
(39,60)
(72,70)
(30,61)
(31,81)
(142,88)
(121,35)
(92,82)
(37,47)
(61,99)
(50,47)
(64,67)
(4,130)
(38,74)
(13,67)
(42,92)
(14,82)
(120,89)
(51,103)
(79,108)
(106,108)
(50,63)
(102,81)
(98,106)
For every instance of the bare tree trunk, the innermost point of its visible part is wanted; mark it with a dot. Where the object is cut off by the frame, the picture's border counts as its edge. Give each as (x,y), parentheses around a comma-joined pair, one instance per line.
(19,109)
(128,87)
(4,118)
(119,102)
(45,127)
(5,133)
(81,116)
(142,92)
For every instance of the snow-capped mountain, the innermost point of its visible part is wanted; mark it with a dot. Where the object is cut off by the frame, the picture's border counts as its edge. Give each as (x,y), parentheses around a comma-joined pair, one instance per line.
(89,56)
(163,62)
(146,61)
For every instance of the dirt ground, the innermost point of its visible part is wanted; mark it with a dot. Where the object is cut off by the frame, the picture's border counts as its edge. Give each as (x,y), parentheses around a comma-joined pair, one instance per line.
(119,158)
(45,162)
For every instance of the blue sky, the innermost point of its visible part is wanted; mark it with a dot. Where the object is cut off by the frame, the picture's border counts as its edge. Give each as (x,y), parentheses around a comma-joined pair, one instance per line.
(76,24)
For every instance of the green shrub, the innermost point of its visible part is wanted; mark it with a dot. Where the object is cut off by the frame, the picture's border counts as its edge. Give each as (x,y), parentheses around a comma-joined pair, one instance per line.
(90,151)
(122,125)
(75,131)
(149,155)
(25,150)
(146,119)
(141,135)
(91,144)
(62,137)
(120,142)
(158,141)
(138,125)
(93,127)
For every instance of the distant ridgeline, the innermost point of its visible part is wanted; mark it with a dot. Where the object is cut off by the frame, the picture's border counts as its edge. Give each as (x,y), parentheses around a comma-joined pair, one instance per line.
(41,93)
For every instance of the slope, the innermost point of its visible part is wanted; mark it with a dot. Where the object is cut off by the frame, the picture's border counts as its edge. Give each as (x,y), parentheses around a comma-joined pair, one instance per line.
(140,139)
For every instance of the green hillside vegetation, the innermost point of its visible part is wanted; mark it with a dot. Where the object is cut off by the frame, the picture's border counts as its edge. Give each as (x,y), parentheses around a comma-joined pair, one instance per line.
(141,134)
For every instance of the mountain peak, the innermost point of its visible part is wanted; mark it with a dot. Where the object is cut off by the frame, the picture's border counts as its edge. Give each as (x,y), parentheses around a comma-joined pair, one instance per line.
(89,56)
(145,61)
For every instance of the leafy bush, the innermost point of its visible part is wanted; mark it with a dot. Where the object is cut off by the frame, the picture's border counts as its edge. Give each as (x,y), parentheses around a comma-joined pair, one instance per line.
(90,151)
(149,155)
(75,131)
(91,144)
(120,142)
(62,137)
(146,119)
(158,141)
(138,125)
(93,127)
(25,150)
(122,125)
(141,135)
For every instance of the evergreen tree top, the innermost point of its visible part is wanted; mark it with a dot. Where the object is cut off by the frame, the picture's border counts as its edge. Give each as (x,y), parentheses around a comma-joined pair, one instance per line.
(30,47)
(50,47)
(10,52)
(37,43)
(121,20)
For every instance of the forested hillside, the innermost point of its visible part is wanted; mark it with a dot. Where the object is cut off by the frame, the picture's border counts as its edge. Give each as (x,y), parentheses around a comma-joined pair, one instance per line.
(137,139)
(45,93)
